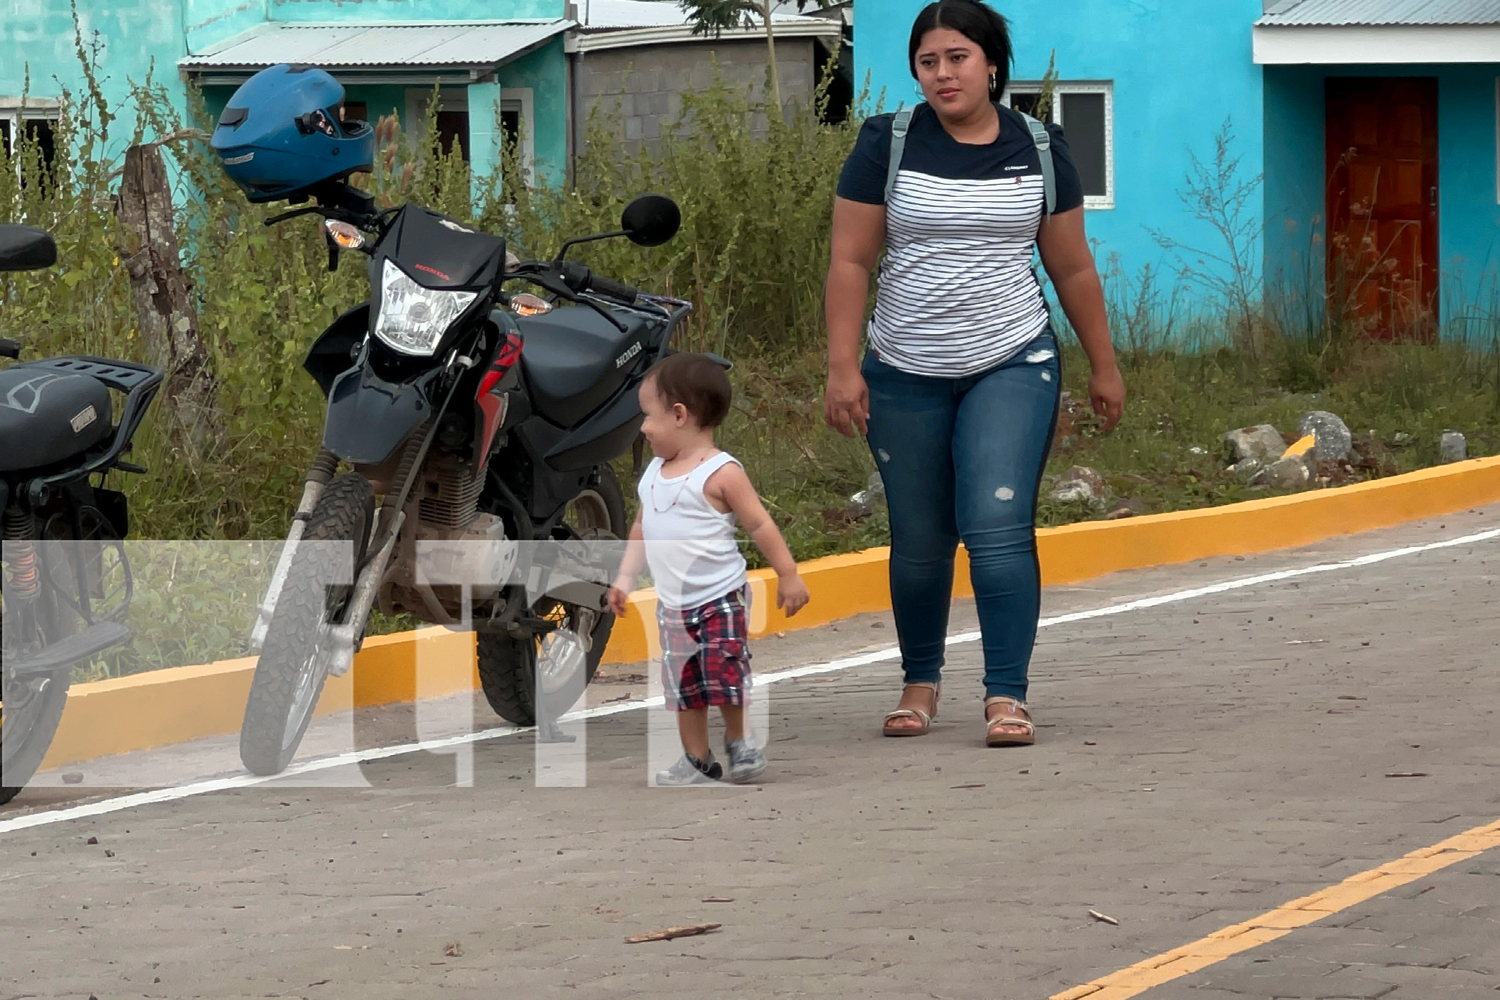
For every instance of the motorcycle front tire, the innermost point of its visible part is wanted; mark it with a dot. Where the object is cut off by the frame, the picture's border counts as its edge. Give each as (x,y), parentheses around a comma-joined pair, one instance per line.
(294,660)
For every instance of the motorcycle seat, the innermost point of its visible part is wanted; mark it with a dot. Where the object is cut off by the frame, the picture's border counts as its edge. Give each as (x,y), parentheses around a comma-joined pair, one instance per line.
(47,417)
(574,360)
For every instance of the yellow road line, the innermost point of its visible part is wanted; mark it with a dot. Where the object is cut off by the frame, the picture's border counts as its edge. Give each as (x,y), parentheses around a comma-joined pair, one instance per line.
(1286,918)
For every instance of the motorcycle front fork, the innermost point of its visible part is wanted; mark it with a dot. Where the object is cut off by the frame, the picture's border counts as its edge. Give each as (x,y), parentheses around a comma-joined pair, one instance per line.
(345,638)
(318,477)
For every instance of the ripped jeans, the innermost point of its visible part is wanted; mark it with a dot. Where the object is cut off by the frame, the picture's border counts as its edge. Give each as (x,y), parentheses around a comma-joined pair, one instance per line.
(962,459)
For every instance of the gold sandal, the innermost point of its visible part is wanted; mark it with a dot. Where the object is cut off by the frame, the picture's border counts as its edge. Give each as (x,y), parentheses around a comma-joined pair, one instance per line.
(1019,719)
(915,713)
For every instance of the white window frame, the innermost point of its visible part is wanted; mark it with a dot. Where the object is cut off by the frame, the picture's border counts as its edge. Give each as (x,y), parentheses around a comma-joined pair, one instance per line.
(519,99)
(1105,202)
(15,113)
(523,100)
(418,102)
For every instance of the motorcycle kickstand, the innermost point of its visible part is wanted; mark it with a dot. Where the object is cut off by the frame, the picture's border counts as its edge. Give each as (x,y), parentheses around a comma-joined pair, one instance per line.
(547,729)
(548,732)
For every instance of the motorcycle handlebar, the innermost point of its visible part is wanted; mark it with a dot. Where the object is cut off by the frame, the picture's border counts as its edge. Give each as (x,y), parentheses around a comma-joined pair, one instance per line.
(613,289)
(580,279)
(9,349)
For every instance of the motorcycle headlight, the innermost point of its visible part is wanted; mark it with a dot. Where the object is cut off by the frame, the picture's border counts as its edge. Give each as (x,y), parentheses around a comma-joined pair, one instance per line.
(413,319)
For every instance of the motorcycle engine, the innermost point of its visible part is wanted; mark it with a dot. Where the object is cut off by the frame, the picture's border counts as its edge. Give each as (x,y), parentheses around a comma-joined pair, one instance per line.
(479,555)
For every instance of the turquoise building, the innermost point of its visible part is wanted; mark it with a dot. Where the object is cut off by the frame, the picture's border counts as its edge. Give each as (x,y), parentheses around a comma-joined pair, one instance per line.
(1367,128)
(487,56)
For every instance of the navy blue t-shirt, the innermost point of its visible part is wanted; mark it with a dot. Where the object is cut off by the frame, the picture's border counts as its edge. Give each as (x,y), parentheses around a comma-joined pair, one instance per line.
(957,294)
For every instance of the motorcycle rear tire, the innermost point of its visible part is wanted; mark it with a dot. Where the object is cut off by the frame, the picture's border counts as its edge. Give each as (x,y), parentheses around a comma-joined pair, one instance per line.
(26,756)
(283,696)
(507,664)
(33,751)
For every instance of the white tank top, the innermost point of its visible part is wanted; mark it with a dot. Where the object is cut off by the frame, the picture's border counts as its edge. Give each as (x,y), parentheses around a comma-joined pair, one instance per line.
(690,545)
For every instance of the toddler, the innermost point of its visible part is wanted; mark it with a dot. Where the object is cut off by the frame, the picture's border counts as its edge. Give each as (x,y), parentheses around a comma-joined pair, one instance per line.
(691,496)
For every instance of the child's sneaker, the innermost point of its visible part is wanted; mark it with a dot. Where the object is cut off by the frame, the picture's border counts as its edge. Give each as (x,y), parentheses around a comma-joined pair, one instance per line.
(746,762)
(689,770)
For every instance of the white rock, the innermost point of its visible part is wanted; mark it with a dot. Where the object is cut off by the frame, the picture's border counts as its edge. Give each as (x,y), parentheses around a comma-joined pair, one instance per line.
(1261,441)
(1333,436)
(1249,472)
(1073,491)
(1453,447)
(1080,483)
(1290,473)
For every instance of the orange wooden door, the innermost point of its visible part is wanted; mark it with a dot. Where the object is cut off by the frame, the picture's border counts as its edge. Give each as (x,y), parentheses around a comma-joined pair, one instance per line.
(1383,203)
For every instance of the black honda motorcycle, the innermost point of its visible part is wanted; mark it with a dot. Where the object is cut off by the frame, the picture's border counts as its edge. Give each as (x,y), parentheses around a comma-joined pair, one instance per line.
(476,414)
(66,582)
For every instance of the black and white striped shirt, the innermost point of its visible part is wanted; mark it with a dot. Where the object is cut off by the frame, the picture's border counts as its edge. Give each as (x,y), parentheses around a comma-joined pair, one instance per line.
(957,295)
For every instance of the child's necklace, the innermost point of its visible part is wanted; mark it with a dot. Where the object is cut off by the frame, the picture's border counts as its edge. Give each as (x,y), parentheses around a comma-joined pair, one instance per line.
(677,496)
(683,480)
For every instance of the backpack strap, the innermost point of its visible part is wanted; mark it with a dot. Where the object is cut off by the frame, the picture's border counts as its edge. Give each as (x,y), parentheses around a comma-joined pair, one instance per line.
(900,125)
(1043,140)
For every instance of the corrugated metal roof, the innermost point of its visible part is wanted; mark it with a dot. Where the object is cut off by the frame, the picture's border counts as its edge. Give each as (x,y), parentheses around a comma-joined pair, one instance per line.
(345,45)
(1352,13)
(616,15)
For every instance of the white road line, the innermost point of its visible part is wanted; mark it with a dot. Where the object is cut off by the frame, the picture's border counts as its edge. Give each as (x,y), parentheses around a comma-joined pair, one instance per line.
(137,799)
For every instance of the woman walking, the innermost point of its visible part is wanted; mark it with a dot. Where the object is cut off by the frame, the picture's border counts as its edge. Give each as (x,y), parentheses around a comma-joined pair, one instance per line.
(959,390)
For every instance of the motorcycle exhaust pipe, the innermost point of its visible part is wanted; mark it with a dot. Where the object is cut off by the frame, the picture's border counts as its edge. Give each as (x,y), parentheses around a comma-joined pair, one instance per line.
(317,478)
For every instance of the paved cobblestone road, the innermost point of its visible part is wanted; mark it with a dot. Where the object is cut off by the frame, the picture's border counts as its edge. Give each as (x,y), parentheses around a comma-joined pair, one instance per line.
(1201,762)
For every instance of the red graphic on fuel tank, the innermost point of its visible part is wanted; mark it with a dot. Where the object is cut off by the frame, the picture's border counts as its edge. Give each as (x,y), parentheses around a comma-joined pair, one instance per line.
(489,399)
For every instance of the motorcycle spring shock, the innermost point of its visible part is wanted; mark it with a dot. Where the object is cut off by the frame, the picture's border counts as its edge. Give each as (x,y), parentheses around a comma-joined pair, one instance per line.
(20,529)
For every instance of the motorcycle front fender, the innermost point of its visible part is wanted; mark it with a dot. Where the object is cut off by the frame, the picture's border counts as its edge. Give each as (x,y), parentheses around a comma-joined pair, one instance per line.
(333,353)
(370,417)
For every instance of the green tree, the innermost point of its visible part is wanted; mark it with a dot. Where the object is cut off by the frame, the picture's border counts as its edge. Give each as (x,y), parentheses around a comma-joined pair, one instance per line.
(711,17)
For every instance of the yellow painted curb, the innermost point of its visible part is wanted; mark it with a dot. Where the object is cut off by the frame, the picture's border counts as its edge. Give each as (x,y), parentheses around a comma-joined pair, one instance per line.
(185,703)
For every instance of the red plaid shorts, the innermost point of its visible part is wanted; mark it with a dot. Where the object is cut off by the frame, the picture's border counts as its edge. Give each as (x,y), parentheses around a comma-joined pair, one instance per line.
(705,653)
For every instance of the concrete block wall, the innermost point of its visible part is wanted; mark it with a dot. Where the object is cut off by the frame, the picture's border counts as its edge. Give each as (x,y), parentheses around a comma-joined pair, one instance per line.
(646,84)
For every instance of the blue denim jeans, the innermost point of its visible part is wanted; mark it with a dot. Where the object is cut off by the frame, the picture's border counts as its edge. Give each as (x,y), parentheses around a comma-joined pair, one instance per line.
(962,459)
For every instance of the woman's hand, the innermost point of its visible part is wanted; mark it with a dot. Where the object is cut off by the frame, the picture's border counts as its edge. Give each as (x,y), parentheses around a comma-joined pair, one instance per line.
(1107,393)
(858,235)
(1070,264)
(846,403)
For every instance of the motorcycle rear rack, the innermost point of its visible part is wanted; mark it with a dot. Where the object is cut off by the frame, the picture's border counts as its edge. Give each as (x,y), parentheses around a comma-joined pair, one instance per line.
(139,383)
(75,648)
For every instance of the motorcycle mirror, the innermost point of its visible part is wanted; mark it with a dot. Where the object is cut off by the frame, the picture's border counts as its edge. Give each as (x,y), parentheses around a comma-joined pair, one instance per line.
(651,220)
(26,248)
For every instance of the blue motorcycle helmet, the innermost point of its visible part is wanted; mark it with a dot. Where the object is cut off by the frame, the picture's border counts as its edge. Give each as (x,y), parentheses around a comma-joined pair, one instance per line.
(282,133)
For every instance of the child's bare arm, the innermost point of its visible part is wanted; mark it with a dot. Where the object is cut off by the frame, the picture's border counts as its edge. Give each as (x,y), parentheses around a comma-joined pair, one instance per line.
(733,488)
(630,568)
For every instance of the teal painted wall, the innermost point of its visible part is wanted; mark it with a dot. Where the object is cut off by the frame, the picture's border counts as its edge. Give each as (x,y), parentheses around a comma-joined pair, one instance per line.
(1179,68)
(415,10)
(133,35)
(545,71)
(1294,179)
(37,37)
(206,22)
(1468,202)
